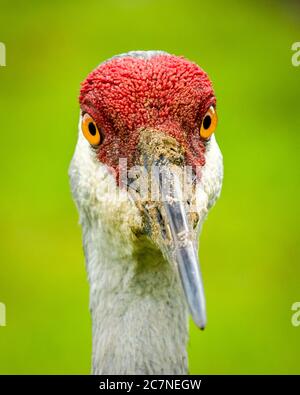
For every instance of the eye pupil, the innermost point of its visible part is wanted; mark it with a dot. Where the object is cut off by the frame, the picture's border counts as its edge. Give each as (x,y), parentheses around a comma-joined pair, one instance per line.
(207,122)
(92,129)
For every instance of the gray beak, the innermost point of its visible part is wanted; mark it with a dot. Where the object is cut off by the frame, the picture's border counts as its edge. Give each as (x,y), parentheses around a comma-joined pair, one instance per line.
(182,251)
(163,158)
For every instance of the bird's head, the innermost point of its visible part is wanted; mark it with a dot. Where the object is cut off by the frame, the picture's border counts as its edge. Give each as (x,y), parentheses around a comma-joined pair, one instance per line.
(156,113)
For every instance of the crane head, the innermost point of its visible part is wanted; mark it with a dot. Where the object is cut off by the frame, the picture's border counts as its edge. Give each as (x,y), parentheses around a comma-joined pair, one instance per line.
(156,113)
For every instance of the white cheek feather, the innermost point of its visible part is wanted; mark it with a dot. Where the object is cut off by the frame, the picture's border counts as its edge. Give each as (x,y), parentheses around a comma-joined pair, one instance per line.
(209,188)
(139,315)
(95,191)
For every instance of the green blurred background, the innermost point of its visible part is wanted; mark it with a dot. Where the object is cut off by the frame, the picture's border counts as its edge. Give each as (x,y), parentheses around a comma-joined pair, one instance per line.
(250,244)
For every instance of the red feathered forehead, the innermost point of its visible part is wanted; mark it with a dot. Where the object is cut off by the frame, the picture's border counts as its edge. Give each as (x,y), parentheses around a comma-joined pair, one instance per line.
(165,92)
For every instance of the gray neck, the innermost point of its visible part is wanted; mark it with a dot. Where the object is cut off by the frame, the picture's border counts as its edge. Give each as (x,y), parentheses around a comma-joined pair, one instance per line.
(139,315)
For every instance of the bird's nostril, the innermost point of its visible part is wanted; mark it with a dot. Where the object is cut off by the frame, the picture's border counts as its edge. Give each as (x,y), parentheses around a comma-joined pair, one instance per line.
(194,216)
(195,219)
(161,223)
(133,184)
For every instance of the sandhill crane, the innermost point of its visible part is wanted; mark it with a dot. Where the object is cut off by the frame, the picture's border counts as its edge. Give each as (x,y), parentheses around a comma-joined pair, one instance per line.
(152,111)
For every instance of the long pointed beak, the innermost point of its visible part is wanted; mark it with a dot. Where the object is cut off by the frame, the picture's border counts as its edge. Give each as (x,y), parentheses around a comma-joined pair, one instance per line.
(183,251)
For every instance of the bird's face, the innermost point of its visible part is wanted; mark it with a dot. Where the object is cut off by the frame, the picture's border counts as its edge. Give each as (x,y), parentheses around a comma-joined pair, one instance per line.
(157,113)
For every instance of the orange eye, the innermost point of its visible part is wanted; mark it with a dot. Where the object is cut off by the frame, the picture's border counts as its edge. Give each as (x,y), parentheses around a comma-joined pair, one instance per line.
(90,130)
(209,123)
